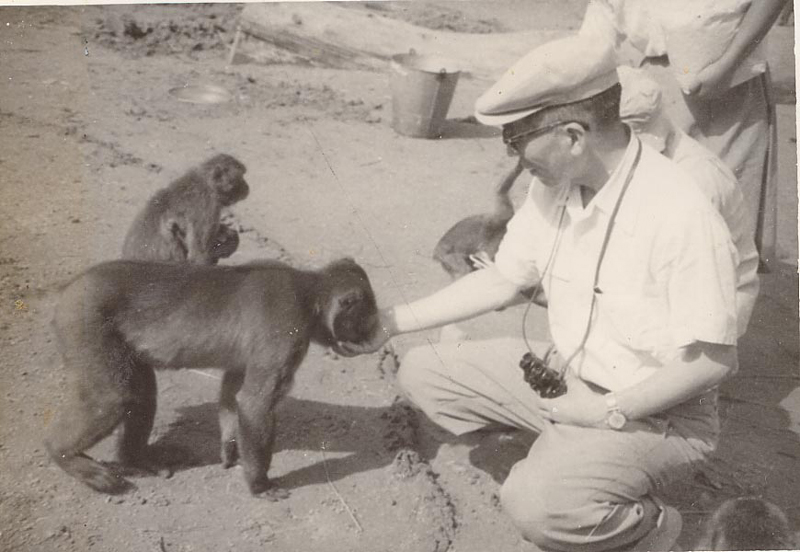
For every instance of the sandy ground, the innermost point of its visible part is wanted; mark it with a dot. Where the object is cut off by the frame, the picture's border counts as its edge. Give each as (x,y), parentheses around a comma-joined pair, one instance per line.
(88,131)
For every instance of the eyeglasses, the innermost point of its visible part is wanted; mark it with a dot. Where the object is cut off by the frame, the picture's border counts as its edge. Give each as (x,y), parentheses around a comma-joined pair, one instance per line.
(514,141)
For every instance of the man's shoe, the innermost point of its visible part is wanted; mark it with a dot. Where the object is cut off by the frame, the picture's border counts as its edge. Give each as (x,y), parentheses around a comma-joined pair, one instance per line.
(665,535)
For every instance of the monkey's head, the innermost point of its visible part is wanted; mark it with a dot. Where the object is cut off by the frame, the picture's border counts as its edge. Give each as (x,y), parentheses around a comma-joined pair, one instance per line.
(747,523)
(347,304)
(225,175)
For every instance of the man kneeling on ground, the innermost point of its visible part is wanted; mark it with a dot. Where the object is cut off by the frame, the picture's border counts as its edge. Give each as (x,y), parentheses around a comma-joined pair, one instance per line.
(639,272)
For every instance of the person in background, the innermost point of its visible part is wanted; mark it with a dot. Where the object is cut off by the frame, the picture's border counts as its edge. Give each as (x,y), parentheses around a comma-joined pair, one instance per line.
(641,108)
(639,272)
(710,58)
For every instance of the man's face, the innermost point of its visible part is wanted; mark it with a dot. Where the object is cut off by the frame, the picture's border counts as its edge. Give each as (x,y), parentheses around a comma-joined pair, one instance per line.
(543,150)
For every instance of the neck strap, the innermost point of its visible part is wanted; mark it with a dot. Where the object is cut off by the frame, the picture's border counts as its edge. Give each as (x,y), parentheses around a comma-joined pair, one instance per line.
(603,248)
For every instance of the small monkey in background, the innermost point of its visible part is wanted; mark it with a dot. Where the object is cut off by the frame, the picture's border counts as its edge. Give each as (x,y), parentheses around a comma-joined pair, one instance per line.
(182,221)
(747,523)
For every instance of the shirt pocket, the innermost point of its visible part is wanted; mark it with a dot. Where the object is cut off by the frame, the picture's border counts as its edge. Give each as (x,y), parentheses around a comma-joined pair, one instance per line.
(634,321)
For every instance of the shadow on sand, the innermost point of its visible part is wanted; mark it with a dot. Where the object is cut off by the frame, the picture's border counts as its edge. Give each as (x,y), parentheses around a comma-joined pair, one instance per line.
(305,425)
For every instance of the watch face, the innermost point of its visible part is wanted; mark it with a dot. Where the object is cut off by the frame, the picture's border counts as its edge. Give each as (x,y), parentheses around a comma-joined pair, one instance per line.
(616,420)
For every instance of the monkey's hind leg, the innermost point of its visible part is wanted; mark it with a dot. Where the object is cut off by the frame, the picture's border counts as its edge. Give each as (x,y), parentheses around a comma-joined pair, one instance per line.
(89,416)
(137,420)
(104,381)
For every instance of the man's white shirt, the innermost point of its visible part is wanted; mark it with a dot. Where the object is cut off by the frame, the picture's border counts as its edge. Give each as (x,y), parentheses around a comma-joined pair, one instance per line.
(668,277)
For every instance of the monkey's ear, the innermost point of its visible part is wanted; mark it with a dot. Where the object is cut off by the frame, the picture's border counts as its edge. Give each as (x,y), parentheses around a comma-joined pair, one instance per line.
(348,262)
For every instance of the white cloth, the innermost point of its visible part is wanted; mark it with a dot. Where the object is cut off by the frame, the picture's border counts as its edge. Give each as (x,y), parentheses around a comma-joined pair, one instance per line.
(719,185)
(692,33)
(667,279)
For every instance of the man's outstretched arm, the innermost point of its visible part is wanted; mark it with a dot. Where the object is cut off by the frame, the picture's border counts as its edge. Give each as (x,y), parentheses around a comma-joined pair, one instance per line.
(476,293)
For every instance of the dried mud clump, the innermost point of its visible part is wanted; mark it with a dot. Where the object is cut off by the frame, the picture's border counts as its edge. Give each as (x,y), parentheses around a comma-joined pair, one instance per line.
(191,31)
(401,426)
(438,18)
(388,362)
(407,463)
(438,507)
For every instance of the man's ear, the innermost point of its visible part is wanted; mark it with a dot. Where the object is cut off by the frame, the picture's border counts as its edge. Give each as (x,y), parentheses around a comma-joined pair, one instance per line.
(577,136)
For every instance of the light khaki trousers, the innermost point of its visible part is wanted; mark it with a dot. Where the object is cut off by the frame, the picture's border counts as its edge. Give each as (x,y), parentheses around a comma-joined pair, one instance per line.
(579,488)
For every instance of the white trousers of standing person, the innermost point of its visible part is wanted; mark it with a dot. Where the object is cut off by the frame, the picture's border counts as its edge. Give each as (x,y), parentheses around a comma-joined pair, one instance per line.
(579,489)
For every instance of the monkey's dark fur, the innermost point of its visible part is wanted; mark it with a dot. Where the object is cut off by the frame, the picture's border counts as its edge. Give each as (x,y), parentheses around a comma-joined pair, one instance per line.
(747,523)
(182,221)
(477,233)
(119,320)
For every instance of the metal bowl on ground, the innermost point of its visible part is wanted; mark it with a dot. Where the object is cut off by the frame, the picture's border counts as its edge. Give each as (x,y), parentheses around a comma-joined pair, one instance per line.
(201,94)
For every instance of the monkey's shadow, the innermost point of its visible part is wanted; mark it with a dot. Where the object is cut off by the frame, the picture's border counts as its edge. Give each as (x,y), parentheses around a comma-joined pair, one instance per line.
(193,439)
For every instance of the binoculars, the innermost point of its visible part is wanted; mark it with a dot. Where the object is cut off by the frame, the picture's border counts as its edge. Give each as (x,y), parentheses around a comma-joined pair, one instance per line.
(547,382)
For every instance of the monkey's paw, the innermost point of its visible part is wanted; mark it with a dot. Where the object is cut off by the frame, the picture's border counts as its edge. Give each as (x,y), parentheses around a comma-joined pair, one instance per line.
(269,491)
(274,494)
(106,480)
(146,469)
(229,454)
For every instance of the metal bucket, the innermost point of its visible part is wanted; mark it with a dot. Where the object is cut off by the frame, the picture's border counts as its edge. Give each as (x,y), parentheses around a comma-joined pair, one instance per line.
(422,89)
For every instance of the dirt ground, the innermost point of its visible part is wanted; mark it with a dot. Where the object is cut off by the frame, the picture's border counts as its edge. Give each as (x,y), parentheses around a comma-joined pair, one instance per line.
(89,130)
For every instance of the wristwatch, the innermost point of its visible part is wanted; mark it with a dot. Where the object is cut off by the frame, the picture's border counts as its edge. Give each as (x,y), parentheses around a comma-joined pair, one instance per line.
(615,419)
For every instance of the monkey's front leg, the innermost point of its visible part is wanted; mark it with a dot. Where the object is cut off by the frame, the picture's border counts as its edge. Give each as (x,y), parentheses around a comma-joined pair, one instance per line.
(228,418)
(256,432)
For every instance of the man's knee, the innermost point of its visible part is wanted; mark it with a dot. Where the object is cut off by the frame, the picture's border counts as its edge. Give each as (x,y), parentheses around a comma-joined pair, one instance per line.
(414,374)
(547,511)
(560,516)
(525,501)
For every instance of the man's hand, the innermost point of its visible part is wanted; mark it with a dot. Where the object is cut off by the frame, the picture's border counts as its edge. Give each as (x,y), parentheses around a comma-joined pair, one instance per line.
(716,78)
(481,259)
(381,334)
(579,406)
(711,82)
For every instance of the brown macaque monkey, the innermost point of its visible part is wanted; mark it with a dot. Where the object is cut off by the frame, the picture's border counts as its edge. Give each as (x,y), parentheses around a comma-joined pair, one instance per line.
(477,234)
(119,320)
(747,523)
(182,221)
(472,242)
(225,244)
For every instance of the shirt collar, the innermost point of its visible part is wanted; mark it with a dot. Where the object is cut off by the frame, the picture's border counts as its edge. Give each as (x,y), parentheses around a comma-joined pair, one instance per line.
(606,198)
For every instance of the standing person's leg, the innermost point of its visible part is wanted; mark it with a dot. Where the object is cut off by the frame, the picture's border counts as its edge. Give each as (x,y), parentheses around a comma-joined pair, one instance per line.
(584,489)
(465,386)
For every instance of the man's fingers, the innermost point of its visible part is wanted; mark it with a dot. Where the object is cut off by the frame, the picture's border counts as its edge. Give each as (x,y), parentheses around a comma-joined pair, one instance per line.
(547,410)
(481,259)
(692,85)
(347,349)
